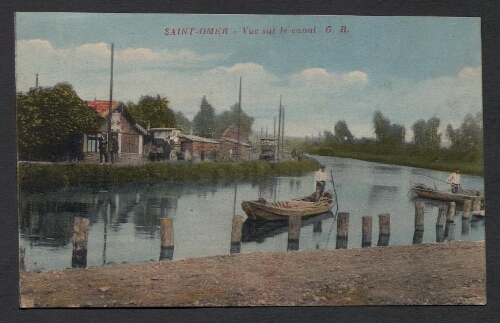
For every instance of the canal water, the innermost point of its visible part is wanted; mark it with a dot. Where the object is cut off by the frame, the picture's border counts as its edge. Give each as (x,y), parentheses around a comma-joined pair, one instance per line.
(124,220)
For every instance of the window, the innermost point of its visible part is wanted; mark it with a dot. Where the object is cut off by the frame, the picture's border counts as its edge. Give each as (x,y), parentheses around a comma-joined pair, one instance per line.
(92,143)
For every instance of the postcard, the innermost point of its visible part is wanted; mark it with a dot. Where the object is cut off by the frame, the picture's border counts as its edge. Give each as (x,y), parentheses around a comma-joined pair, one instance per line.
(203,160)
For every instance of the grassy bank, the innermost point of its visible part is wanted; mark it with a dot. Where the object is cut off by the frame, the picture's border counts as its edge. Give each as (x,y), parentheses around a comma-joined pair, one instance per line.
(39,177)
(475,168)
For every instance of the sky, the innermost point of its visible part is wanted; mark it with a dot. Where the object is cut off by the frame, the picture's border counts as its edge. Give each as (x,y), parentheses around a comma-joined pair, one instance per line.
(324,68)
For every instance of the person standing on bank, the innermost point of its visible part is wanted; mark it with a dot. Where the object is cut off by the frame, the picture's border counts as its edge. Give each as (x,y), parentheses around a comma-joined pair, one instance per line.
(454,179)
(320,179)
(103,147)
(114,147)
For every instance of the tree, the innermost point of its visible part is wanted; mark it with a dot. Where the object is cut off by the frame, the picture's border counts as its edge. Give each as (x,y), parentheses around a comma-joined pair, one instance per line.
(204,121)
(342,132)
(50,120)
(183,122)
(467,141)
(231,118)
(329,137)
(425,134)
(152,112)
(387,133)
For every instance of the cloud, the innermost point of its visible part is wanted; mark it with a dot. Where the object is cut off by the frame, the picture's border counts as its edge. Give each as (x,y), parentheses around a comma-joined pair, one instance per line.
(321,78)
(315,99)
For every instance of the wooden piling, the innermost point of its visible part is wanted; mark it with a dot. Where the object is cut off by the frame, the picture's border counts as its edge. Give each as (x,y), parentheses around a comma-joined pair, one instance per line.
(167,239)
(465,227)
(294,222)
(451,212)
(80,239)
(419,215)
(366,231)
(418,236)
(384,221)
(476,204)
(236,232)
(342,230)
(467,209)
(439,233)
(441,215)
(22,254)
(449,231)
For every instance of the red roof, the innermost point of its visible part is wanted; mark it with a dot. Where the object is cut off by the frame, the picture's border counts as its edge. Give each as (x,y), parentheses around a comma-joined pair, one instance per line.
(101,106)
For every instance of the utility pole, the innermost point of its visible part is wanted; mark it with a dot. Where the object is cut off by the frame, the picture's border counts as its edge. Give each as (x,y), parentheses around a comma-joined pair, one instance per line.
(239,121)
(283,130)
(110,97)
(279,132)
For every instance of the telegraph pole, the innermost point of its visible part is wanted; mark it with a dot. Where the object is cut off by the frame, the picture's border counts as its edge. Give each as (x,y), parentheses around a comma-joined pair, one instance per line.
(239,121)
(110,97)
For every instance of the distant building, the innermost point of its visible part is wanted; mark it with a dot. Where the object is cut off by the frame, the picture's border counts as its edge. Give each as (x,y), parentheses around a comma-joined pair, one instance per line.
(231,148)
(130,136)
(199,148)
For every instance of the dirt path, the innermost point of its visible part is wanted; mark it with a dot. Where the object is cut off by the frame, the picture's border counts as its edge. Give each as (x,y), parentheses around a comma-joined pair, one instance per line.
(446,273)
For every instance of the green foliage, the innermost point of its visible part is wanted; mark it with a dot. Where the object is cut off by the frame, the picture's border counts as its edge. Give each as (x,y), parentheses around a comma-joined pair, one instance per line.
(204,122)
(152,112)
(425,134)
(231,118)
(342,132)
(387,133)
(467,141)
(183,123)
(49,119)
(41,177)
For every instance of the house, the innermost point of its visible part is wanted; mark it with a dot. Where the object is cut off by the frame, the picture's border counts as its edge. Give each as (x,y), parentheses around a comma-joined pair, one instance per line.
(130,136)
(165,144)
(199,148)
(233,146)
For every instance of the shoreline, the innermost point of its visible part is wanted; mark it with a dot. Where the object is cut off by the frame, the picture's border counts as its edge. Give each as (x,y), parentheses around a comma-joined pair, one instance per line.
(450,273)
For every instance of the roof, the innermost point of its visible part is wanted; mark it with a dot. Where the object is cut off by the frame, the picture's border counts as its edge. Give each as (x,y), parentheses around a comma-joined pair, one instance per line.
(235,141)
(163,129)
(102,106)
(199,139)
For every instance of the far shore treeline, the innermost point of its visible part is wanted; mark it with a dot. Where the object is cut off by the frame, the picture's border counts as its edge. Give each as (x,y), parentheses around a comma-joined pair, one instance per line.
(463,148)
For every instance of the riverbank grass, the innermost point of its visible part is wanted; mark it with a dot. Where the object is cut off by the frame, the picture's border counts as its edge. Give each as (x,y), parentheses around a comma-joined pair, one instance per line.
(40,177)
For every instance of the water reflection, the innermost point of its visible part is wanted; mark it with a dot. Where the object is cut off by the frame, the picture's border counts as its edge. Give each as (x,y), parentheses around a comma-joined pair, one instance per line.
(259,230)
(382,192)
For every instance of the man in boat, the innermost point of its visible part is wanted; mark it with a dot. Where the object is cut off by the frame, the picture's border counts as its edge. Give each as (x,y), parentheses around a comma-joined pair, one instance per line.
(454,179)
(320,179)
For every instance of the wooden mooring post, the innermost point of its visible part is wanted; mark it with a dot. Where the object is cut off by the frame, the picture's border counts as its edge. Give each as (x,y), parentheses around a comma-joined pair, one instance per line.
(236,232)
(294,222)
(342,230)
(419,222)
(467,209)
(449,231)
(80,239)
(384,222)
(451,212)
(366,231)
(167,239)
(441,218)
(476,206)
(465,226)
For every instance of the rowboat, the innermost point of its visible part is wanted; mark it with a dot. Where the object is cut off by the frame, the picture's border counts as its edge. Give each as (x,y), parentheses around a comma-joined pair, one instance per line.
(430,193)
(282,210)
